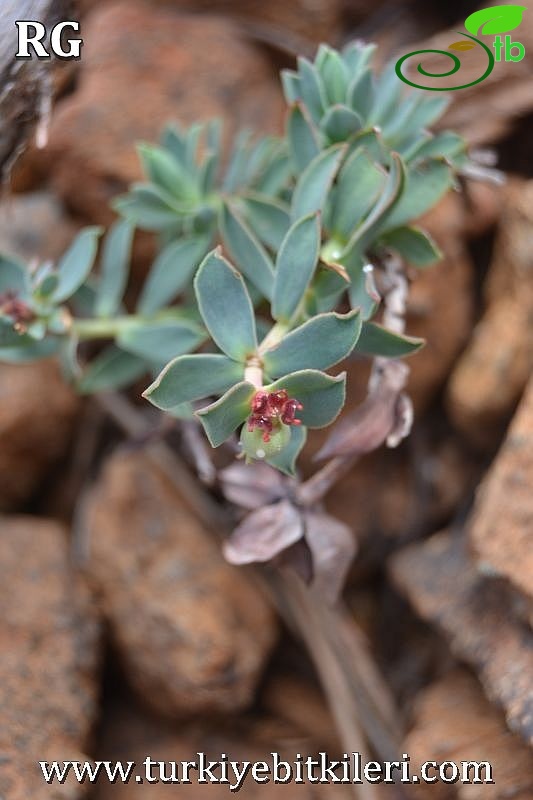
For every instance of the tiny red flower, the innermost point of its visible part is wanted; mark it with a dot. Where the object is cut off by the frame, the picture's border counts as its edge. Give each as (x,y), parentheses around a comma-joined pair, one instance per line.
(20,313)
(269,410)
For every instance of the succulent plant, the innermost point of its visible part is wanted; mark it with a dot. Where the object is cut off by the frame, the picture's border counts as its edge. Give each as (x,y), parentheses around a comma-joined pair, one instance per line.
(269,271)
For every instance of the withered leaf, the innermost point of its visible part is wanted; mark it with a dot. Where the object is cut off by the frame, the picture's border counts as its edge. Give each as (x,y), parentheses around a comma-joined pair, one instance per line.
(264,533)
(333,548)
(369,426)
(251,486)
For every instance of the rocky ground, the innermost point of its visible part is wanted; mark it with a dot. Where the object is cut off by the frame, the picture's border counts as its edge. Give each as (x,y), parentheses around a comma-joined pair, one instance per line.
(124,633)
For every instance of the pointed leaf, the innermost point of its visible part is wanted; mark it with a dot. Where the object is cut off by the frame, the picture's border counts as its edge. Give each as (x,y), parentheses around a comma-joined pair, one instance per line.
(361,94)
(425,185)
(247,252)
(375,340)
(276,175)
(171,272)
(150,208)
(357,55)
(496,19)
(168,173)
(334,75)
(115,267)
(446,144)
(333,548)
(223,417)
(30,351)
(322,395)
(388,200)
(312,88)
(194,377)
(12,276)
(362,291)
(290,82)
(340,122)
(315,182)
(160,341)
(264,534)
(387,96)
(226,307)
(75,266)
(359,183)
(319,343)
(413,245)
(295,265)
(238,162)
(269,218)
(111,369)
(302,136)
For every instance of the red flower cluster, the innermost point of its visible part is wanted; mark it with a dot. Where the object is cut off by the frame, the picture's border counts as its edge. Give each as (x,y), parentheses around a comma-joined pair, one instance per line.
(271,409)
(17,310)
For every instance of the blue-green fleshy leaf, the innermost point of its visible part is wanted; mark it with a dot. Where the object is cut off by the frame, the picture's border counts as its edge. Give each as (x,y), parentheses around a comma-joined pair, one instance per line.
(248,253)
(319,343)
(226,307)
(223,417)
(193,377)
(375,340)
(74,267)
(321,395)
(295,265)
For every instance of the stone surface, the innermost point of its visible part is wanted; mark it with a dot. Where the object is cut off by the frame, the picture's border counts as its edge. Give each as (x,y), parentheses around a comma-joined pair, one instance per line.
(37,414)
(491,374)
(143,67)
(474,615)
(393,496)
(129,734)
(297,25)
(191,631)
(501,528)
(34,226)
(49,638)
(453,721)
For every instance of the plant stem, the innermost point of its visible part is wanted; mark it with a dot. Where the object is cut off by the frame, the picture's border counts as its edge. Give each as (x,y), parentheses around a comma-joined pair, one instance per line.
(274,336)
(86,329)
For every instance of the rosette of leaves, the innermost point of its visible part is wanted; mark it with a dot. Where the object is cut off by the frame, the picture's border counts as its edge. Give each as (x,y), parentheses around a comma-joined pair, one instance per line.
(306,221)
(381,168)
(292,356)
(54,308)
(185,178)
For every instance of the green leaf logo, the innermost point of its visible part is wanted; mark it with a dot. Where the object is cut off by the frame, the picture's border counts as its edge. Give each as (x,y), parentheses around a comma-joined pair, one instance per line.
(497,19)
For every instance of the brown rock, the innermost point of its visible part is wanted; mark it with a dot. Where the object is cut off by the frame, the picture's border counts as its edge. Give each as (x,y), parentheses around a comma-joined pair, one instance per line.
(297,25)
(397,495)
(490,376)
(34,226)
(37,412)
(492,372)
(143,67)
(49,637)
(511,270)
(454,722)
(129,734)
(440,310)
(473,614)
(501,529)
(192,632)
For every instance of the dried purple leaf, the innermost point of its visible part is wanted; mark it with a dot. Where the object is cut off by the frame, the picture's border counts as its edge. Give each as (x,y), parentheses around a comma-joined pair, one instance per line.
(264,534)
(251,486)
(374,420)
(333,548)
